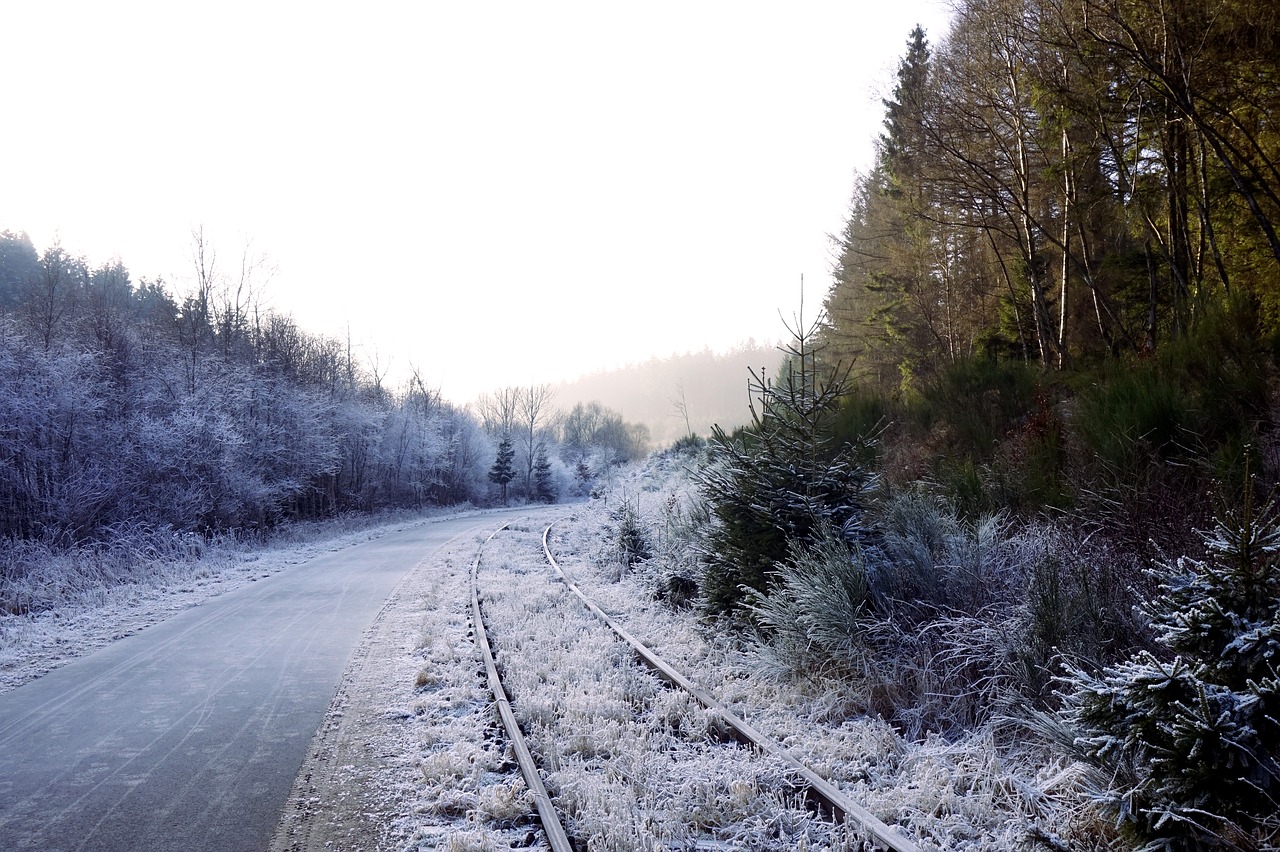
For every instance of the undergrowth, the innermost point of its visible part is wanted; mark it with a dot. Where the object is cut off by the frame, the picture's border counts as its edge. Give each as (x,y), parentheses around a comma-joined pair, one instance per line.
(1003,529)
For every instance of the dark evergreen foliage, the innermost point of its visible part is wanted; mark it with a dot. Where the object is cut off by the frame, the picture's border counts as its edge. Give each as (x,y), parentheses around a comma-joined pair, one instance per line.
(504,470)
(1057,183)
(1191,740)
(544,489)
(779,480)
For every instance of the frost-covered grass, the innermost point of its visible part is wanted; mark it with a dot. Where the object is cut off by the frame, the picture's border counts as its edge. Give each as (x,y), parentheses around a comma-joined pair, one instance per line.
(986,784)
(469,794)
(633,764)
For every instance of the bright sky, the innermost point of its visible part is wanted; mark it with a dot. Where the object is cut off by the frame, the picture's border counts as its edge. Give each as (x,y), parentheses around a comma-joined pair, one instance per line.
(498,193)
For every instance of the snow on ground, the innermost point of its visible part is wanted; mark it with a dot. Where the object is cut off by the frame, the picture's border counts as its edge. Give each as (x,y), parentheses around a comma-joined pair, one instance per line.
(632,764)
(411,756)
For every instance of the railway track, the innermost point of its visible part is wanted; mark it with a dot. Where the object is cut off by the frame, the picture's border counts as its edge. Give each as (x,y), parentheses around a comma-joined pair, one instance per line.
(557,839)
(828,798)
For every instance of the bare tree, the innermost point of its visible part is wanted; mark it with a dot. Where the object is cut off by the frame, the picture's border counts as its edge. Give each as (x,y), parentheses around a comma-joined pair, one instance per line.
(681,404)
(196,314)
(497,411)
(236,301)
(533,408)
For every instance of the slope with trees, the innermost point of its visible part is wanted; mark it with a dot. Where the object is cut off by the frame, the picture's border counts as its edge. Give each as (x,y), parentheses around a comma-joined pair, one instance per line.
(1055,299)
(679,395)
(131,414)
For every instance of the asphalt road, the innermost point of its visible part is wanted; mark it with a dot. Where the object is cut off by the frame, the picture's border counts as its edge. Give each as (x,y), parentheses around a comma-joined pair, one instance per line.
(189,734)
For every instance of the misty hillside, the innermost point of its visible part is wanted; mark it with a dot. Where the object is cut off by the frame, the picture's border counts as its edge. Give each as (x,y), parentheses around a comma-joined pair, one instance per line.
(712,387)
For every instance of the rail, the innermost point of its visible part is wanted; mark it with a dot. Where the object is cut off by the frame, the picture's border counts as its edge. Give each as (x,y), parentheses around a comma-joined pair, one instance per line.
(826,792)
(556,836)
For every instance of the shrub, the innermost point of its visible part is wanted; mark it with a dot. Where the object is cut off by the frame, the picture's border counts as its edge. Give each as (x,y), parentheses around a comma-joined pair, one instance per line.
(976,402)
(688,444)
(816,611)
(936,671)
(1130,421)
(933,560)
(1191,743)
(1077,602)
(630,538)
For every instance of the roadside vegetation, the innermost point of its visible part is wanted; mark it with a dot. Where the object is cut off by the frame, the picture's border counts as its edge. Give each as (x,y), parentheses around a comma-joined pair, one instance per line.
(1017,486)
(140,424)
(1003,522)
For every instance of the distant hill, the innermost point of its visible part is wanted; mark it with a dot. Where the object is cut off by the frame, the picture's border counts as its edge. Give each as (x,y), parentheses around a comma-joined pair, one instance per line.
(713,386)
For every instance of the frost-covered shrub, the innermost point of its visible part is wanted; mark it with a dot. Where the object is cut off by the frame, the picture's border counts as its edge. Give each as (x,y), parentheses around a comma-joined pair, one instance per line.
(939,624)
(688,444)
(1191,743)
(932,560)
(820,620)
(1077,602)
(676,560)
(37,577)
(816,613)
(1047,589)
(630,538)
(59,453)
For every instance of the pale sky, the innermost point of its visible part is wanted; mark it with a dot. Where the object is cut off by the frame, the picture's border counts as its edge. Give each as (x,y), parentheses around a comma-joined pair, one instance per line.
(499,193)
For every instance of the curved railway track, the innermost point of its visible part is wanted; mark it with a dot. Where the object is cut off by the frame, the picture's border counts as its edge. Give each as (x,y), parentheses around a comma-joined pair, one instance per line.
(828,797)
(557,839)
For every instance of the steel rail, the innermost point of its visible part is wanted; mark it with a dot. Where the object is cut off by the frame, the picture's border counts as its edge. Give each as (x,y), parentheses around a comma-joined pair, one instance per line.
(826,792)
(556,836)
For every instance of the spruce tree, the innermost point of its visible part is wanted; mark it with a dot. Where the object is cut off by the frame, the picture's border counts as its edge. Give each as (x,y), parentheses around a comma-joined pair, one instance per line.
(903,142)
(1191,740)
(504,469)
(878,309)
(779,480)
(543,488)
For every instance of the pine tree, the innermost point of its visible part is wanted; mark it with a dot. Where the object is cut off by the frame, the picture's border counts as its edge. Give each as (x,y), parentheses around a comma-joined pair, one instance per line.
(543,488)
(903,140)
(779,480)
(504,470)
(882,308)
(1193,743)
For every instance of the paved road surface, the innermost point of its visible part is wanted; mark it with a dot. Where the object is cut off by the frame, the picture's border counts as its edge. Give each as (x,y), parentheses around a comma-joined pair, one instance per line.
(188,735)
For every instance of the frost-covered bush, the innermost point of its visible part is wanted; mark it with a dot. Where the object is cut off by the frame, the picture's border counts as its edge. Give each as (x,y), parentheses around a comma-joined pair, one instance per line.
(941,624)
(820,620)
(37,577)
(931,560)
(676,563)
(59,463)
(816,614)
(630,538)
(1190,742)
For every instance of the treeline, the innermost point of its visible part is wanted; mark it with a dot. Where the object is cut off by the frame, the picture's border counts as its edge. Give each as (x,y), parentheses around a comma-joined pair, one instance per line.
(1025,468)
(1059,286)
(123,405)
(1059,182)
